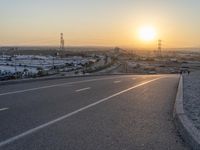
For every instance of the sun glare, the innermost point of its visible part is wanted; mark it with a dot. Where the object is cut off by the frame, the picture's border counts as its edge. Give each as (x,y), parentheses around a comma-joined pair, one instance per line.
(147,33)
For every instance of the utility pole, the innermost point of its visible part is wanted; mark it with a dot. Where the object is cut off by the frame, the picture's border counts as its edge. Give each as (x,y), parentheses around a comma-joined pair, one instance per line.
(62,42)
(159,48)
(15,66)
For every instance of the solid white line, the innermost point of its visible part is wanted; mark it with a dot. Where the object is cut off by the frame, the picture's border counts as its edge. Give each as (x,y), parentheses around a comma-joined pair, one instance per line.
(2,109)
(54,85)
(117,81)
(31,131)
(84,89)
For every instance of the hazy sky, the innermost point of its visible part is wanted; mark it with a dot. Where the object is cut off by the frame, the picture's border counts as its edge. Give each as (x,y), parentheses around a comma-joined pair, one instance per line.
(99,22)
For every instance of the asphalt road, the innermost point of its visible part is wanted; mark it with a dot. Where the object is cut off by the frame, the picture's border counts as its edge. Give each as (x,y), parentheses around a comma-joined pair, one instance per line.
(126,112)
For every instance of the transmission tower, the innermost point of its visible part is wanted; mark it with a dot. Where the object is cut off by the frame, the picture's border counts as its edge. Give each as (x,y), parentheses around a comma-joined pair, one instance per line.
(62,42)
(159,47)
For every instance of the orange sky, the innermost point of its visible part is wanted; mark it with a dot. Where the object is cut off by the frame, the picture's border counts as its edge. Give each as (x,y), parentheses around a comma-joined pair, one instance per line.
(105,23)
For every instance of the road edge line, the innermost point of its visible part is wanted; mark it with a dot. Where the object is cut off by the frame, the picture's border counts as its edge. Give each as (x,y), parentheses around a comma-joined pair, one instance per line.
(28,80)
(185,127)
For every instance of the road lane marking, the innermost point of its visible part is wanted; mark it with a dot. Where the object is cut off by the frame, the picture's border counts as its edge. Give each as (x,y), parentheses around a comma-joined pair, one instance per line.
(2,109)
(117,81)
(83,89)
(54,85)
(33,130)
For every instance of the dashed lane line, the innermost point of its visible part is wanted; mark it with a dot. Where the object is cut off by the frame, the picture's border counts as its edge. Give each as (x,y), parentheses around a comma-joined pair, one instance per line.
(54,85)
(83,89)
(2,109)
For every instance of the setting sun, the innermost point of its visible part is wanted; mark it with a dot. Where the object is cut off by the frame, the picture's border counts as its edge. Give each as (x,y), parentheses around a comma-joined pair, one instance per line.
(147,33)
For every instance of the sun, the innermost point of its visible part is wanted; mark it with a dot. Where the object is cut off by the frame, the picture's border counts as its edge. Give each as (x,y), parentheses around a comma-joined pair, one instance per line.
(147,33)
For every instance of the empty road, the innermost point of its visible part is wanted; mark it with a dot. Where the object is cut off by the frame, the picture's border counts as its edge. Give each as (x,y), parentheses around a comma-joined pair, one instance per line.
(121,112)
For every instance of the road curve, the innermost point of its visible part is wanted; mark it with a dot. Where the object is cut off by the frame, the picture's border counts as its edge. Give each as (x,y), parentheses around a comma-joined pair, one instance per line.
(122,112)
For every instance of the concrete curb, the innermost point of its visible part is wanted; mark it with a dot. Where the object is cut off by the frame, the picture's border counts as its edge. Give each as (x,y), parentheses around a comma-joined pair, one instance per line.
(185,127)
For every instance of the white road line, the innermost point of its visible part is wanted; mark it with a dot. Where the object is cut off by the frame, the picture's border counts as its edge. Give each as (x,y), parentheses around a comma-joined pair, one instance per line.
(83,89)
(2,109)
(54,85)
(117,81)
(31,131)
